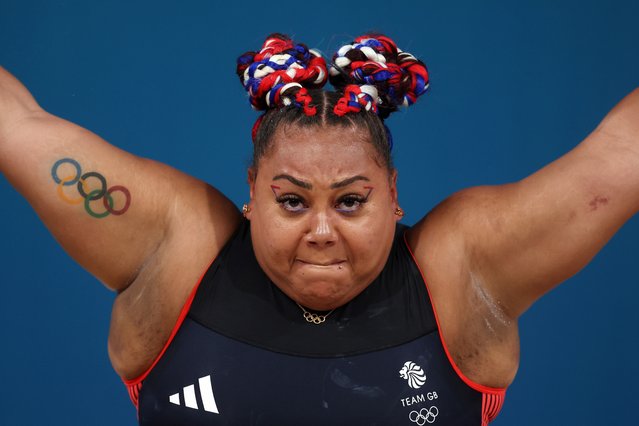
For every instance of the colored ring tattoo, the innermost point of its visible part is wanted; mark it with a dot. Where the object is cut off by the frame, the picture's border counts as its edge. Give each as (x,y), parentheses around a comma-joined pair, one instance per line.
(100,192)
(109,205)
(80,180)
(64,196)
(87,204)
(56,166)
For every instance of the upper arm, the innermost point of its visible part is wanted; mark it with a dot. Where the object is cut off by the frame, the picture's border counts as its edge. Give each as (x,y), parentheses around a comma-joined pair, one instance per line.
(525,238)
(109,209)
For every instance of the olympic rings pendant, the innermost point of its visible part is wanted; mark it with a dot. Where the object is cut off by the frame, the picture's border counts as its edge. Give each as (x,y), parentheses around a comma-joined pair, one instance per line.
(314,318)
(86,195)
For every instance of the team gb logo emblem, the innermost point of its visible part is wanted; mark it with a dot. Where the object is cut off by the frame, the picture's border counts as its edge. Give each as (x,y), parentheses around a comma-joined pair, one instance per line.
(414,374)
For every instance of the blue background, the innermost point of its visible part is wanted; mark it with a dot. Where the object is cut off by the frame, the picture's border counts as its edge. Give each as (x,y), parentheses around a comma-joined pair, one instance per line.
(513,86)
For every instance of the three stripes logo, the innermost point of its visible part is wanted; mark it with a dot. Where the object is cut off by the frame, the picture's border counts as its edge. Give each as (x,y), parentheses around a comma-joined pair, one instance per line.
(190,399)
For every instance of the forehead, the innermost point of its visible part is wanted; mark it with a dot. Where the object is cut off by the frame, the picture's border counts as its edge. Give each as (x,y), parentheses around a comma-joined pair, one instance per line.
(321,153)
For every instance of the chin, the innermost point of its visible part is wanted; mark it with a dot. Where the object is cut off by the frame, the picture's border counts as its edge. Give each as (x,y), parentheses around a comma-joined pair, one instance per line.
(318,296)
(321,296)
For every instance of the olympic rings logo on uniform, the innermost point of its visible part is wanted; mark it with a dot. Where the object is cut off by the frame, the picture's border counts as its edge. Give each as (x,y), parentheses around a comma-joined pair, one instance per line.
(87,196)
(423,416)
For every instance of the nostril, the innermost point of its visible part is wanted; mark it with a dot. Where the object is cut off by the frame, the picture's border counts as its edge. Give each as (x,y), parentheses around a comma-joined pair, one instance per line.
(321,231)
(323,239)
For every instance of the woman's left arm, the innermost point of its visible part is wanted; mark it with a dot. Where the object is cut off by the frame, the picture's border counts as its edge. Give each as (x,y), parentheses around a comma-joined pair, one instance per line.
(527,237)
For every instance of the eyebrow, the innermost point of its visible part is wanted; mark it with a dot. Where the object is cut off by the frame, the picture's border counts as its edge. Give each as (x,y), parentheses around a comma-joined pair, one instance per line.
(348,181)
(294,181)
(306,185)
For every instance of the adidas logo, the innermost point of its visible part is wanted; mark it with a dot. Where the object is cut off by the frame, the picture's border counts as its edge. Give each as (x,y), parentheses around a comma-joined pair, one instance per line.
(190,398)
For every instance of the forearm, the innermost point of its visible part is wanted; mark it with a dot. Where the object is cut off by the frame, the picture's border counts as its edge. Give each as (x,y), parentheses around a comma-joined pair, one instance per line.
(533,235)
(111,211)
(57,165)
(619,143)
(16,103)
(623,119)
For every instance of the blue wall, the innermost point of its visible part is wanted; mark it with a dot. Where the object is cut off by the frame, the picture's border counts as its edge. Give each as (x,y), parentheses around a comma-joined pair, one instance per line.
(512,88)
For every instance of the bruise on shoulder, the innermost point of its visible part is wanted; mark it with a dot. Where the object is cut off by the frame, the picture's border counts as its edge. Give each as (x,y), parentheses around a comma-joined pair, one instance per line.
(598,201)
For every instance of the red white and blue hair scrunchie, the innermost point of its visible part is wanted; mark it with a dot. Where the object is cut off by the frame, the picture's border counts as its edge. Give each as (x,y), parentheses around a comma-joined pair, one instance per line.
(374,68)
(279,67)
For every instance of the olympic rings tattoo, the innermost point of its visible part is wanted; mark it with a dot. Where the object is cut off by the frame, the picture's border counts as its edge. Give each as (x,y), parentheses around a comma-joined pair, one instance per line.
(86,194)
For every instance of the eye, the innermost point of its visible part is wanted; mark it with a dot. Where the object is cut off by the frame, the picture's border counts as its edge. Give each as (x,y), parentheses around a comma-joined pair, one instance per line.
(350,203)
(292,203)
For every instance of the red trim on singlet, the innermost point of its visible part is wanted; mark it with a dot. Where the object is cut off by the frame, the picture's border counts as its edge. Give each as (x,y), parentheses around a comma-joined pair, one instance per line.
(134,385)
(491,404)
(492,398)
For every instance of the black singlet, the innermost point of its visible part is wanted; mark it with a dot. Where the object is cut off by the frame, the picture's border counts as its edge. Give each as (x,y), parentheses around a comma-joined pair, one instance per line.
(242,354)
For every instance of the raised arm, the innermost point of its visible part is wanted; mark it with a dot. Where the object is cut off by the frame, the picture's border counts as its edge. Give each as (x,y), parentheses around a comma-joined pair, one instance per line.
(110,210)
(525,238)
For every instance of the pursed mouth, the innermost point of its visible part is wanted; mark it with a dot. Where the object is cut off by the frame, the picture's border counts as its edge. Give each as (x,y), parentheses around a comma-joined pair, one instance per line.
(335,262)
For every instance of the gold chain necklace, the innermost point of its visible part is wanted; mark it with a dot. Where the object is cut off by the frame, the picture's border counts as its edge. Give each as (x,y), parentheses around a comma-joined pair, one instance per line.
(316,319)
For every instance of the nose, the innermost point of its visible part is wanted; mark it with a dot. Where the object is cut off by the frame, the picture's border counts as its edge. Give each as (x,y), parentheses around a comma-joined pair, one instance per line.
(322,231)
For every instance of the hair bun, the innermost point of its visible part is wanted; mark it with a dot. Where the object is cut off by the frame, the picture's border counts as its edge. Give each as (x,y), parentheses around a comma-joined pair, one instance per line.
(279,74)
(375,60)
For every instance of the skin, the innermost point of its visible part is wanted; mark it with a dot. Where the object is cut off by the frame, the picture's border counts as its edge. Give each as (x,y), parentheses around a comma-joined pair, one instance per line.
(311,227)
(322,244)
(475,248)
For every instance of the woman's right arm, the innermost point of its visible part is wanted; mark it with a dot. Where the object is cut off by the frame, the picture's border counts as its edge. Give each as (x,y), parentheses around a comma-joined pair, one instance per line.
(110,210)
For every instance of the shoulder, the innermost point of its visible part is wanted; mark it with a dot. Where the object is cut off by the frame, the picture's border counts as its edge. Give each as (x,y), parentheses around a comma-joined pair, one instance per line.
(457,220)
(482,341)
(145,314)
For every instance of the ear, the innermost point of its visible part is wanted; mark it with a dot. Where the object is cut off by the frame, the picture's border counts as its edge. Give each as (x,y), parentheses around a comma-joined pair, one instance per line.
(392,180)
(251,178)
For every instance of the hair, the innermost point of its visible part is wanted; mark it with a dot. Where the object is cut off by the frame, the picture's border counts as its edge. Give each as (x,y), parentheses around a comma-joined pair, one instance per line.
(372,79)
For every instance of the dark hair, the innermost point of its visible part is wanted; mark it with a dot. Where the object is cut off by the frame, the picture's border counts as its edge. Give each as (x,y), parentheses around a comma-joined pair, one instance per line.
(372,77)
(325,102)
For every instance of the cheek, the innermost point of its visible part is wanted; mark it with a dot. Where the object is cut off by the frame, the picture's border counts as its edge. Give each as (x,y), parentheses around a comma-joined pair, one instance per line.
(375,236)
(365,243)
(275,238)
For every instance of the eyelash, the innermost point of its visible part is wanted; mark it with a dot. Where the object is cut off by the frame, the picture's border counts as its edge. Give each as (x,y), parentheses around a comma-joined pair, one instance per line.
(357,200)
(352,198)
(283,199)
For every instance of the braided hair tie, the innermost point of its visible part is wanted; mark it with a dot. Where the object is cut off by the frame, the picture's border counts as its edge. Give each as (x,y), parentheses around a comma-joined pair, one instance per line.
(277,96)
(356,98)
(256,127)
(303,99)
(280,73)
(375,60)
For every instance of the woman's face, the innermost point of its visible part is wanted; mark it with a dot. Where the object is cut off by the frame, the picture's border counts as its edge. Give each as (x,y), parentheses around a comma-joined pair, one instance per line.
(322,214)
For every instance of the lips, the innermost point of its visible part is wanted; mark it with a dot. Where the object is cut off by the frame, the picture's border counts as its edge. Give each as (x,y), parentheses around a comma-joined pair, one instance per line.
(332,262)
